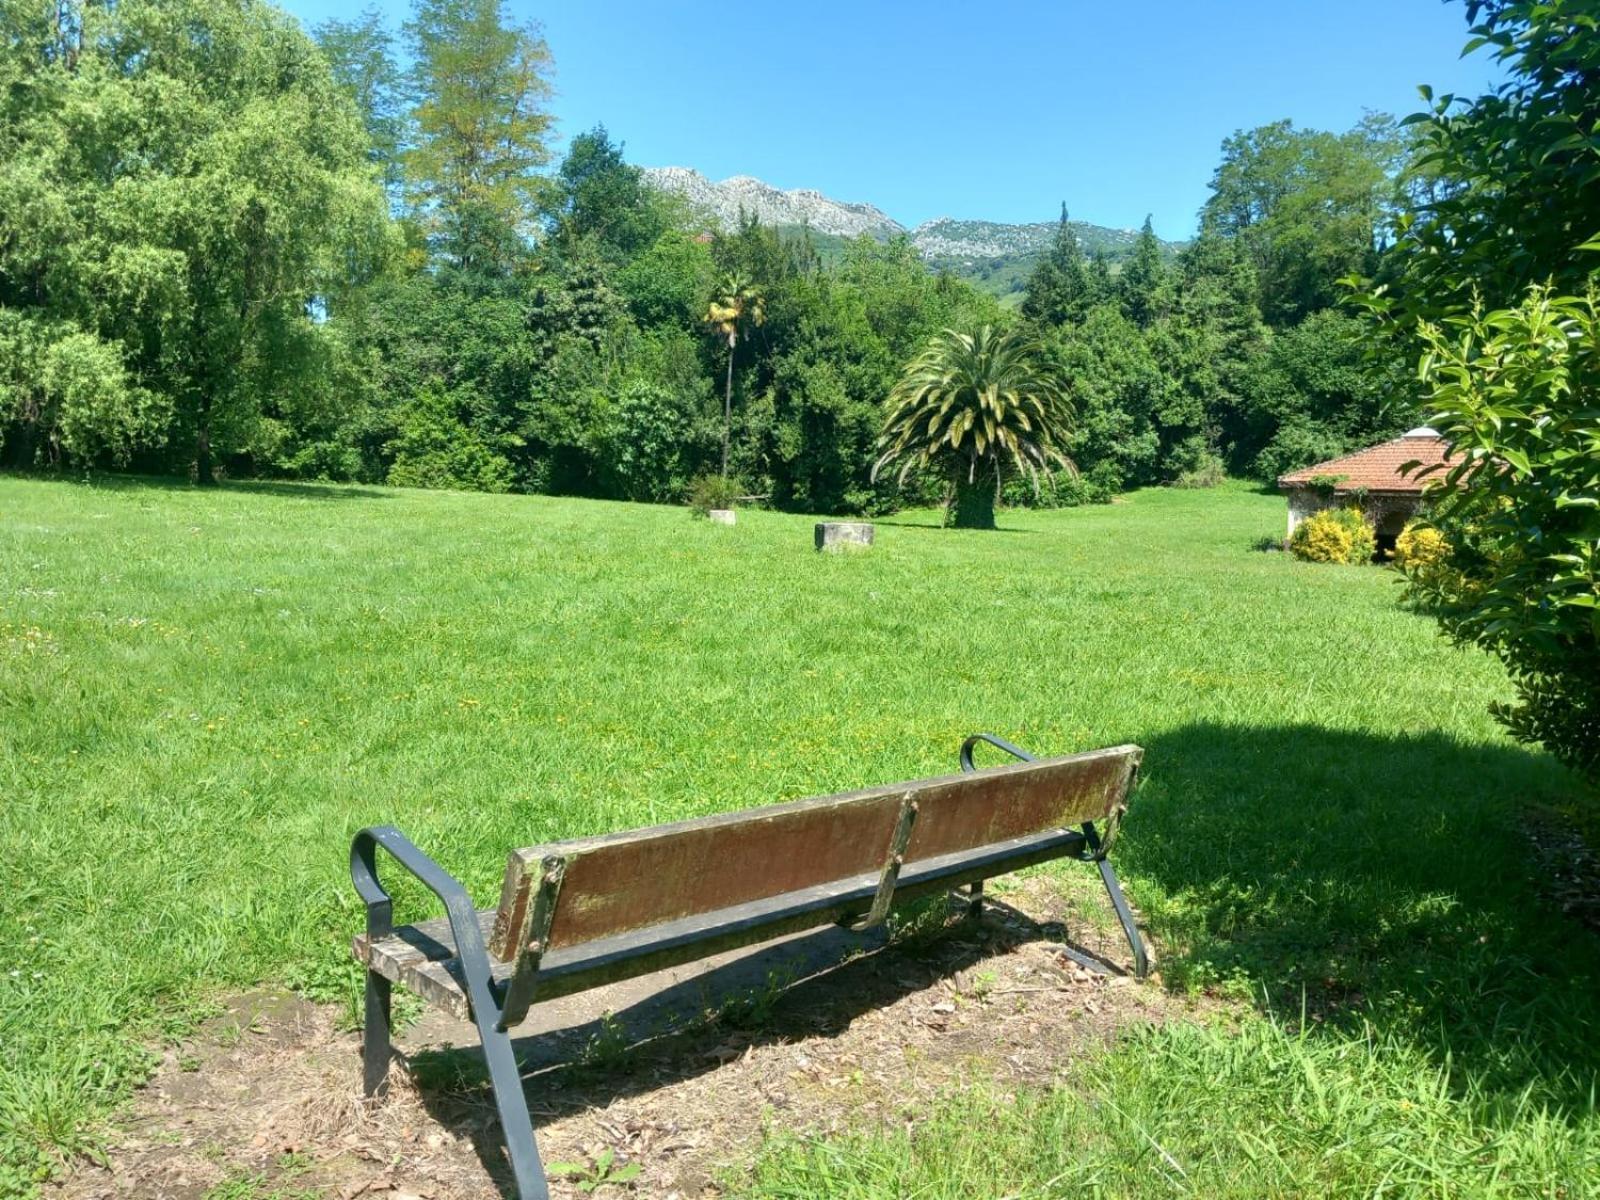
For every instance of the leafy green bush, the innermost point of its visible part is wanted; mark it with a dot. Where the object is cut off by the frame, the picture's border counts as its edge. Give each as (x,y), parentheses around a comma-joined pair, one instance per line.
(648,438)
(711,490)
(1065,489)
(1492,281)
(1517,392)
(1299,444)
(1207,473)
(440,446)
(1334,535)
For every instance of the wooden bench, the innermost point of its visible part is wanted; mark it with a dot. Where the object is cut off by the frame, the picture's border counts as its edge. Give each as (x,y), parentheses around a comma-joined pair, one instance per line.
(577,914)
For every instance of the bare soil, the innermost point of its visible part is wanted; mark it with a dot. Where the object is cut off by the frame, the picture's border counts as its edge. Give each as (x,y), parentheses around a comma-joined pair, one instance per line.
(681,1074)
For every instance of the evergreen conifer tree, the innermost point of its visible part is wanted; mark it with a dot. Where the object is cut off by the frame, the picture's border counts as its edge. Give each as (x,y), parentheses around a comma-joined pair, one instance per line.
(1059,288)
(1141,278)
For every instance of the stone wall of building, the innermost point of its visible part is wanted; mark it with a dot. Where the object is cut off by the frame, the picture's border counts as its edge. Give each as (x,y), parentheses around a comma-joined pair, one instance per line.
(1388,514)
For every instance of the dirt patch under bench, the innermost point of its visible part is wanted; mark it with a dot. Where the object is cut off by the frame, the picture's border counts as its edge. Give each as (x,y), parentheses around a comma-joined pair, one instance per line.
(680,1073)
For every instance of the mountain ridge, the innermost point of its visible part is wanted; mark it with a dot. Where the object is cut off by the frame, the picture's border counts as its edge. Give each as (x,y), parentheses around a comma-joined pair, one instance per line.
(995,255)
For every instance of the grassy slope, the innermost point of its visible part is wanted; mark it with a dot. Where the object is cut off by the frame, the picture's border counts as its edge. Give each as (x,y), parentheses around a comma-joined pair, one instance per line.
(204,694)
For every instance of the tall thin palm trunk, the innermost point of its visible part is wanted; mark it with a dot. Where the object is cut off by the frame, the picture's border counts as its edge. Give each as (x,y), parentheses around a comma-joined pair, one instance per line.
(727,409)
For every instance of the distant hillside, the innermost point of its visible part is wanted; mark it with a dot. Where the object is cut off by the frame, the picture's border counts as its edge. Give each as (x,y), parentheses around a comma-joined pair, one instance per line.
(772,206)
(993,255)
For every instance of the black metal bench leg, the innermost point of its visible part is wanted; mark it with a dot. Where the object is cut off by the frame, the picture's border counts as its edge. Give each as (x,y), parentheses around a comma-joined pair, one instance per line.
(1141,960)
(512,1103)
(375,1038)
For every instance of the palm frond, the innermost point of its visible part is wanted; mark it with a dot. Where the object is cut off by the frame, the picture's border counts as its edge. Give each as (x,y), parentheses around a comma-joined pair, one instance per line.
(985,399)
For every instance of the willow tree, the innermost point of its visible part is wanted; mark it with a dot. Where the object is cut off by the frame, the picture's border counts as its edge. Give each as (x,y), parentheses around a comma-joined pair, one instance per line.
(737,302)
(185,202)
(976,406)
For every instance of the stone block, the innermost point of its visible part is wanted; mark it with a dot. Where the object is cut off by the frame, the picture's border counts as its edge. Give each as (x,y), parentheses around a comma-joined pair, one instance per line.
(843,535)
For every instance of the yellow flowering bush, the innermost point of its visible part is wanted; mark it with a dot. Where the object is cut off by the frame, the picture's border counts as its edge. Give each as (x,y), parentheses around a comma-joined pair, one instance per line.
(1334,535)
(1419,547)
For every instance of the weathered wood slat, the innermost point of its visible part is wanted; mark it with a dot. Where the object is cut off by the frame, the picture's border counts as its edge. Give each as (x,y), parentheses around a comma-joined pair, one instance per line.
(422,956)
(625,882)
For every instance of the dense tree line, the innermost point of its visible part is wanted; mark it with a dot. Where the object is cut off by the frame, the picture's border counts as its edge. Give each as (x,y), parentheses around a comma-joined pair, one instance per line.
(228,246)
(1237,357)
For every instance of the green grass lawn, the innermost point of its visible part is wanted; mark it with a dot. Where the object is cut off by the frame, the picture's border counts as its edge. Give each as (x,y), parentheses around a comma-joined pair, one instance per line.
(204,693)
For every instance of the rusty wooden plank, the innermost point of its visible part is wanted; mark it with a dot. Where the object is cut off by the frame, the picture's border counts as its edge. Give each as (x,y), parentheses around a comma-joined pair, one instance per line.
(422,958)
(630,881)
(961,812)
(511,915)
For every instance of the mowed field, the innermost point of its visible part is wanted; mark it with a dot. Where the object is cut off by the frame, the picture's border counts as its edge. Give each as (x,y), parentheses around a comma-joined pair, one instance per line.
(204,693)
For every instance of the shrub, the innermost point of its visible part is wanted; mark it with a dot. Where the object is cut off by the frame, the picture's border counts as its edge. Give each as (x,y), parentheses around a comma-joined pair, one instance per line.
(649,432)
(1064,489)
(711,490)
(439,445)
(1206,473)
(1517,392)
(1420,547)
(1334,535)
(1319,538)
(1299,444)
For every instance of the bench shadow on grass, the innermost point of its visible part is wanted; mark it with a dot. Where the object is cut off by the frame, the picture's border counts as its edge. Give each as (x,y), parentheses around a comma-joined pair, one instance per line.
(1381,881)
(812,985)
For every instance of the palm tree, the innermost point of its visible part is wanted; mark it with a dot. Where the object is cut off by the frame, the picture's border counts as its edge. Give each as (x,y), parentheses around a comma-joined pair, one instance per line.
(975,405)
(737,299)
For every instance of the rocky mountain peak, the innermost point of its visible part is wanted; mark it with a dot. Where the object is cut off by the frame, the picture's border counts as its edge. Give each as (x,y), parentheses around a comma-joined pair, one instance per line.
(770,205)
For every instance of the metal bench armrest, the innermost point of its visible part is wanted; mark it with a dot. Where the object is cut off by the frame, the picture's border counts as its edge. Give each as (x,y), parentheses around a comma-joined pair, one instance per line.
(380,906)
(473,956)
(994,740)
(1097,845)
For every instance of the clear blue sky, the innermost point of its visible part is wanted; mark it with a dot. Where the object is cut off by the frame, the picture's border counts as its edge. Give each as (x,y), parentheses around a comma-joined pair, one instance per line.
(998,109)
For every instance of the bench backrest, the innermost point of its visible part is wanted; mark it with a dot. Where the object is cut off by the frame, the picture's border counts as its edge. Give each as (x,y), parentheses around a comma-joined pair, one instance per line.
(624,882)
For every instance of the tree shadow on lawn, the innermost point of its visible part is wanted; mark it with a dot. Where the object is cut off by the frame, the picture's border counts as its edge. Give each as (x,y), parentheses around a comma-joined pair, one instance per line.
(1368,880)
(952,528)
(308,491)
(288,489)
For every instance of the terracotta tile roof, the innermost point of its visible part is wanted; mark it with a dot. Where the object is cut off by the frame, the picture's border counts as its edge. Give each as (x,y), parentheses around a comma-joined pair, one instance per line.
(1378,469)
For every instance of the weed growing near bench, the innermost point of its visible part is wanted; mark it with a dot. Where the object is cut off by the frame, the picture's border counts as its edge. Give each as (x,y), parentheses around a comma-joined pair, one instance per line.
(203,694)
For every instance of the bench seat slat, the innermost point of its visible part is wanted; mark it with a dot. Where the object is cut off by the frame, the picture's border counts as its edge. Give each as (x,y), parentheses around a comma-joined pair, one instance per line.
(422,956)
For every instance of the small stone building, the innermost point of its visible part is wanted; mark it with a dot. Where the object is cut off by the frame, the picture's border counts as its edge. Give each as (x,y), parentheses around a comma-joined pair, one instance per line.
(1372,479)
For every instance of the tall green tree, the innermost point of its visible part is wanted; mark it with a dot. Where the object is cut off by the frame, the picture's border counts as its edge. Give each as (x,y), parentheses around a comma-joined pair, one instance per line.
(1142,279)
(185,203)
(361,53)
(1203,342)
(1310,208)
(1514,176)
(1312,393)
(1060,290)
(602,199)
(481,130)
(973,406)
